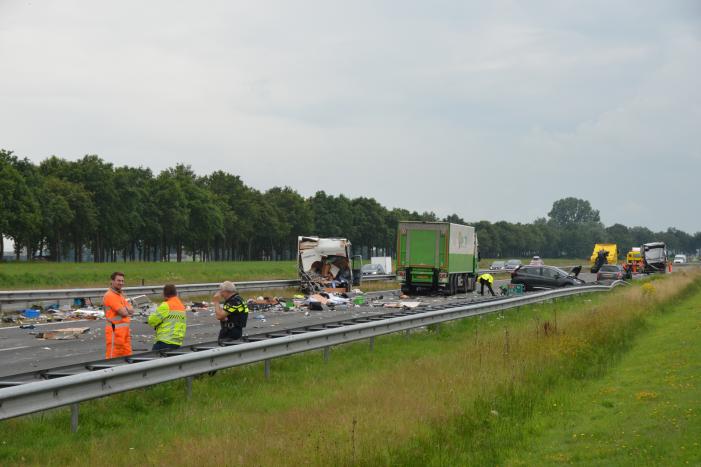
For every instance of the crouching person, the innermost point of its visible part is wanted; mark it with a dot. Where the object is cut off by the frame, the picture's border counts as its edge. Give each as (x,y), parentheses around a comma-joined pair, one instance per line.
(169,320)
(232,313)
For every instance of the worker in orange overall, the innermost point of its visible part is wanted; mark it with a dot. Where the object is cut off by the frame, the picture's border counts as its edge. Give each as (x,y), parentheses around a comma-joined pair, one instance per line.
(118,312)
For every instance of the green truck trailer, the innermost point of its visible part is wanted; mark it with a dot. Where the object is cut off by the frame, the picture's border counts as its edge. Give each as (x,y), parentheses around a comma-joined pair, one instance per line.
(438,256)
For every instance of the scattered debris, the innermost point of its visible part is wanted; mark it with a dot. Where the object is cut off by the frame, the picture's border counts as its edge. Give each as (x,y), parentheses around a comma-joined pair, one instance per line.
(62,334)
(88,313)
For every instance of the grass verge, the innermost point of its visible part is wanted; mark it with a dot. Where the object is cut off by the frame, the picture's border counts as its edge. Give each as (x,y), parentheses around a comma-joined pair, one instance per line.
(38,275)
(466,395)
(645,412)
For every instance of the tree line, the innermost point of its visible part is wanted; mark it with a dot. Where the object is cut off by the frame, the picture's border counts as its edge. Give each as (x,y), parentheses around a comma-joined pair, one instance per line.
(91,210)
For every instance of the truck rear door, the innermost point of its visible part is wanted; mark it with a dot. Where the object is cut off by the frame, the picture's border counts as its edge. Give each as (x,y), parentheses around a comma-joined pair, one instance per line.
(423,246)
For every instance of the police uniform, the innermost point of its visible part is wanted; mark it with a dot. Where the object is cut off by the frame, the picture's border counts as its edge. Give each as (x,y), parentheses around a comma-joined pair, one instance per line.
(486,279)
(236,318)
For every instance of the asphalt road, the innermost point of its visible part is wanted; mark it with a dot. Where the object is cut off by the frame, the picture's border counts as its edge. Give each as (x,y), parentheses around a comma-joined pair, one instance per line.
(21,351)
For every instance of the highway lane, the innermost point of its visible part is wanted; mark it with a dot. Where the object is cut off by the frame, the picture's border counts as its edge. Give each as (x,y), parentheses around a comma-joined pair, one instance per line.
(21,351)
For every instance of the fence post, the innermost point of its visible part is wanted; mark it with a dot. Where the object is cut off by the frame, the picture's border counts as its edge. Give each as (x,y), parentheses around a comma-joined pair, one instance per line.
(188,387)
(74,417)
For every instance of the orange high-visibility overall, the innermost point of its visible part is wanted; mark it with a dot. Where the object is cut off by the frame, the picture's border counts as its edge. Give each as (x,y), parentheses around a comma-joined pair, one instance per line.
(117,332)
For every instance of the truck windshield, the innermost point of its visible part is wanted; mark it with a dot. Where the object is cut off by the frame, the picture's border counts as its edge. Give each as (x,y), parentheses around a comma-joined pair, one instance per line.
(654,254)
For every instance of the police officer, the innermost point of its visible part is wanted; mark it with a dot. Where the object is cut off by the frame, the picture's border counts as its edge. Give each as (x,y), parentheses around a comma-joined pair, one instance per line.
(231,311)
(486,279)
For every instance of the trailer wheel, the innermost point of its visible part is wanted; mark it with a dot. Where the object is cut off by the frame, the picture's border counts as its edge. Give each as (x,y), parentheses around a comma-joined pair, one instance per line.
(470,283)
(465,283)
(450,289)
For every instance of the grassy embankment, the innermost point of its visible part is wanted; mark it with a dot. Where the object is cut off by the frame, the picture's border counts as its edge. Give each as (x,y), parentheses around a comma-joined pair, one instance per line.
(479,392)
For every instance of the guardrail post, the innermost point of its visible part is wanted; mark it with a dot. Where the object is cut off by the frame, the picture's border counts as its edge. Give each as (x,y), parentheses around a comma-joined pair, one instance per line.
(266,368)
(372,344)
(74,417)
(188,387)
(406,334)
(327,351)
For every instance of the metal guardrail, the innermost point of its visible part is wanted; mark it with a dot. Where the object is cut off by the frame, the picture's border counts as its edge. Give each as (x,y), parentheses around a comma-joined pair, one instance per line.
(70,390)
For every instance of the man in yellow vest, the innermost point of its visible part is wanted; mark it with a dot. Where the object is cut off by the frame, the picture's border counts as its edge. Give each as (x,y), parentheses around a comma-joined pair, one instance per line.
(169,320)
(486,279)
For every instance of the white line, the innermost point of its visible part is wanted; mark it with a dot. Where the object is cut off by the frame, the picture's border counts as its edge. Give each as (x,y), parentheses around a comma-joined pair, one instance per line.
(67,321)
(15,348)
(193,325)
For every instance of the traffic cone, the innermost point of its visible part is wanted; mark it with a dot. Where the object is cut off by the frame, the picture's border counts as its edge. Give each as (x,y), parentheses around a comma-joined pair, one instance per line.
(670,267)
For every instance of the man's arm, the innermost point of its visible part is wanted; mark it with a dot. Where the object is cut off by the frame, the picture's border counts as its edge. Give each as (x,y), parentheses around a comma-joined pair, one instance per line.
(156,318)
(219,312)
(127,310)
(114,303)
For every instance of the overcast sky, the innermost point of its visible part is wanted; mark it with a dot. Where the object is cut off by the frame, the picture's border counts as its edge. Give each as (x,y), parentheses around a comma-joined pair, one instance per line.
(491,110)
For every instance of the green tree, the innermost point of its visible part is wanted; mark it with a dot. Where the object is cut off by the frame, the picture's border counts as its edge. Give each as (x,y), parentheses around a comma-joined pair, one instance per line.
(295,217)
(572,211)
(21,215)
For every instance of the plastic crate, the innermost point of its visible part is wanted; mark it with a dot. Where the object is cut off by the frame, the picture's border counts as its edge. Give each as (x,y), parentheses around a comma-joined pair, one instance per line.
(31,313)
(515,289)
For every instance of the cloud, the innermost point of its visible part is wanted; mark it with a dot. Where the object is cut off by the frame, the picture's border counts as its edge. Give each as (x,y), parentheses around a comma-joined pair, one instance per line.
(492,111)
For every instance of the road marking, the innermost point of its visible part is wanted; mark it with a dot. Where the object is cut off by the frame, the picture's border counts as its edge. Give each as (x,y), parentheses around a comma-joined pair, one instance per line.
(193,325)
(49,324)
(15,348)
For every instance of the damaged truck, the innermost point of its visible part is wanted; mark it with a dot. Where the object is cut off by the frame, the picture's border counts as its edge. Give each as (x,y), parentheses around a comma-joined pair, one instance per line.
(654,256)
(436,256)
(326,265)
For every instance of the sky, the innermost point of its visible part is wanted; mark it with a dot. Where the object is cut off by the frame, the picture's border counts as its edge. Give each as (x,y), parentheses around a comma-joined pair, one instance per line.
(491,110)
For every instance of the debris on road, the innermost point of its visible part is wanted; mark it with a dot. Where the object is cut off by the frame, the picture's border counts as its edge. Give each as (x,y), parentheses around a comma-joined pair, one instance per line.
(88,313)
(62,334)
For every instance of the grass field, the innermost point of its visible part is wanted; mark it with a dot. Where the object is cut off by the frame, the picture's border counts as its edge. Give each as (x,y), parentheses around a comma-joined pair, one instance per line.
(42,275)
(509,388)
(59,275)
(647,410)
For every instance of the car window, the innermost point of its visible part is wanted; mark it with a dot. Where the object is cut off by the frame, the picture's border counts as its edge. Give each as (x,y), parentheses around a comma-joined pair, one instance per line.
(551,273)
(534,271)
(609,268)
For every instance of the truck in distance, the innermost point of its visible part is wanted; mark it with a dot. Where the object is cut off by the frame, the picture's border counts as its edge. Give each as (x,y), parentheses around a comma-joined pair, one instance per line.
(604,253)
(654,257)
(436,256)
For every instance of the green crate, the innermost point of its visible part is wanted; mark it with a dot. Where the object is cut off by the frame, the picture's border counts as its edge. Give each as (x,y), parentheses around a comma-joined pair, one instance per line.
(359,300)
(515,289)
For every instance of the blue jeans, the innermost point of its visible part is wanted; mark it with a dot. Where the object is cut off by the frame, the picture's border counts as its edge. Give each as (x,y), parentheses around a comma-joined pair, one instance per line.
(163,346)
